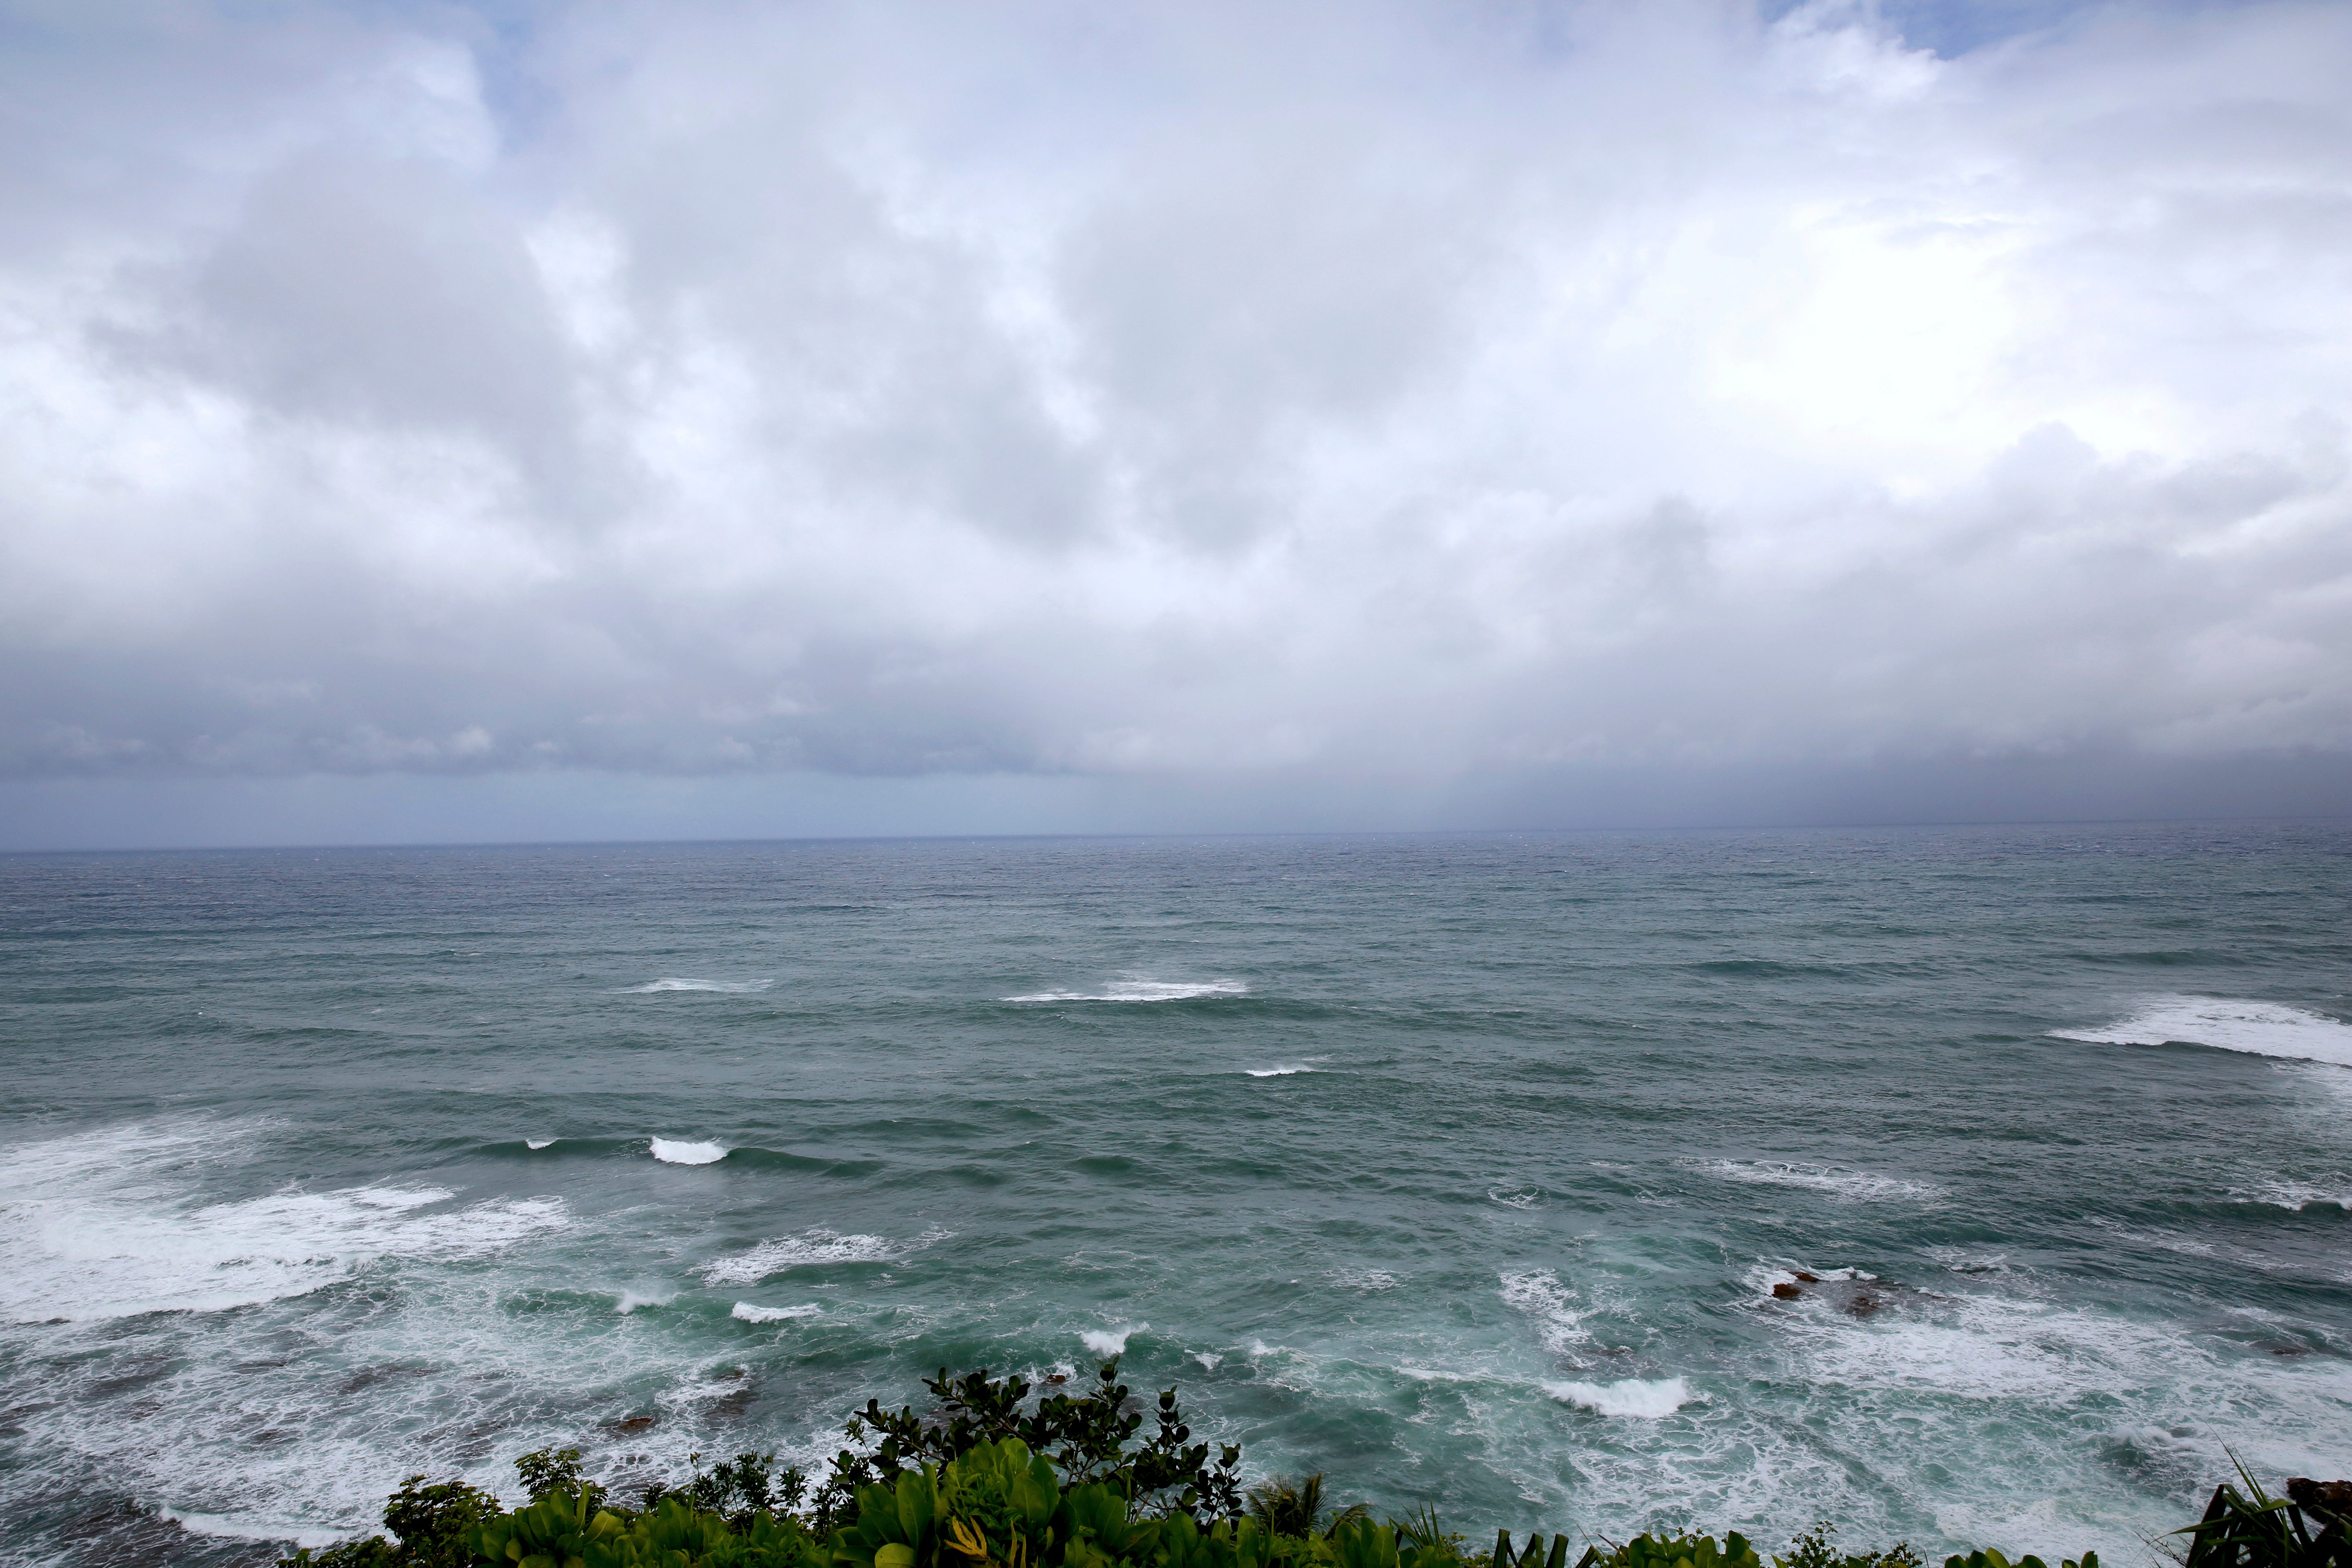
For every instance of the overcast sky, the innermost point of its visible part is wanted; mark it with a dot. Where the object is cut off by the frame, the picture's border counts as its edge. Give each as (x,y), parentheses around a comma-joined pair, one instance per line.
(618,420)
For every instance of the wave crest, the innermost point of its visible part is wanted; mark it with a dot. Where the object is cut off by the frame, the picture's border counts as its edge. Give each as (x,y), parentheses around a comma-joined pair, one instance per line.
(1142,990)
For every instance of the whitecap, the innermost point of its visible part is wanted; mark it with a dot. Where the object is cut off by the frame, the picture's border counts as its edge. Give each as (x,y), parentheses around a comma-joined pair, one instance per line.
(630,1300)
(750,1313)
(1278,1072)
(675,982)
(538,1142)
(1817,1178)
(680,1154)
(1633,1396)
(811,1248)
(1142,990)
(1108,1342)
(1208,1359)
(2258,1028)
(1523,1198)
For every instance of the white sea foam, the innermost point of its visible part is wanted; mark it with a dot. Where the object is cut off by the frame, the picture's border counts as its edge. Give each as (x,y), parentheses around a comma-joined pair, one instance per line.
(1559,1319)
(1633,1396)
(95,1229)
(750,1313)
(1137,989)
(680,983)
(630,1300)
(1817,1178)
(538,1142)
(810,1247)
(1107,1342)
(681,1154)
(2258,1028)
(1278,1072)
(248,1526)
(1364,1279)
(1208,1359)
(1514,1198)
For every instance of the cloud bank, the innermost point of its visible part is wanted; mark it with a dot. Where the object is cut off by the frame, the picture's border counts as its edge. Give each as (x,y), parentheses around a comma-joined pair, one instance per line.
(1292,398)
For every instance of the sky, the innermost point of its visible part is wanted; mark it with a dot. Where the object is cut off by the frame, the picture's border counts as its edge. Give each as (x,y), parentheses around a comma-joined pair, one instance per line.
(532,421)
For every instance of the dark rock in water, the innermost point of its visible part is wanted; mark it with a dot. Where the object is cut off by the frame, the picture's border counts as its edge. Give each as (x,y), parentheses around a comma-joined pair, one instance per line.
(1059,1377)
(1809,1278)
(1785,1292)
(735,1402)
(2334,1497)
(1862,1306)
(633,1424)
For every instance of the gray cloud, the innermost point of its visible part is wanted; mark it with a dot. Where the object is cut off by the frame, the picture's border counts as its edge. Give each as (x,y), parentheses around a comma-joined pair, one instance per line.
(1398,404)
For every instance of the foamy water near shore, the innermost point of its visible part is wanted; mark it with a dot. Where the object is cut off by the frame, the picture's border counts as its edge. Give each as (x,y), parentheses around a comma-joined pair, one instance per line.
(1460,1169)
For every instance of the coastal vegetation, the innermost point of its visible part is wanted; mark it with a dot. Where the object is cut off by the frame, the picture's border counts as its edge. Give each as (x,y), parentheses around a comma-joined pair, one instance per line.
(986,1479)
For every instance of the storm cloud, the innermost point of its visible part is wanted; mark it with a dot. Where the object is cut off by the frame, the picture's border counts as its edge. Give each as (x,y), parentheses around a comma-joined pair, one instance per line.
(1294,403)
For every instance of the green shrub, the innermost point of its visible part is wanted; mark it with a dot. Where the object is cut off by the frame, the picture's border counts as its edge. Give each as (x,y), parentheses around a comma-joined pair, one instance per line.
(1989,1558)
(986,1481)
(1087,1437)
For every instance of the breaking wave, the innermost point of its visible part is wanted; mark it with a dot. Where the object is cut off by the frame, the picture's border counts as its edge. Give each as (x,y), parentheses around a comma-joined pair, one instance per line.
(1107,1342)
(630,1300)
(680,983)
(681,1154)
(2257,1028)
(1647,1401)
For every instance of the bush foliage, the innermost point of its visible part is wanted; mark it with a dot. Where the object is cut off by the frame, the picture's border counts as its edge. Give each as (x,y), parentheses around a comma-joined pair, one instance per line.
(987,1479)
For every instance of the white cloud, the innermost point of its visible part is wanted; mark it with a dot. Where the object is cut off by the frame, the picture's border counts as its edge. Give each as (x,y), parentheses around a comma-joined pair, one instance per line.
(1400,392)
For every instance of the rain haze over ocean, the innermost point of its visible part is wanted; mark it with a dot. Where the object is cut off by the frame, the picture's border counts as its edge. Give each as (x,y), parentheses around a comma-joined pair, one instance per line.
(1276,688)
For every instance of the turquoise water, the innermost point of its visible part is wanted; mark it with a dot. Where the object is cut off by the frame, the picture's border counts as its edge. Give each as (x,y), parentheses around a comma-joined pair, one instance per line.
(1459,1168)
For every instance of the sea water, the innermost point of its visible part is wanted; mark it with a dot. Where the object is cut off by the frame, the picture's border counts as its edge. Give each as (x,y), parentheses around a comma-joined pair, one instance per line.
(1460,1169)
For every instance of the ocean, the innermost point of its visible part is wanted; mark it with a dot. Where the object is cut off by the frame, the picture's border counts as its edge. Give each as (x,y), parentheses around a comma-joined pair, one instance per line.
(1460,1169)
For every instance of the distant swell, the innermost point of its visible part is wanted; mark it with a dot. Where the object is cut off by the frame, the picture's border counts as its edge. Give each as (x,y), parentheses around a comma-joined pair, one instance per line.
(2257,1028)
(651,987)
(1137,989)
(1633,1397)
